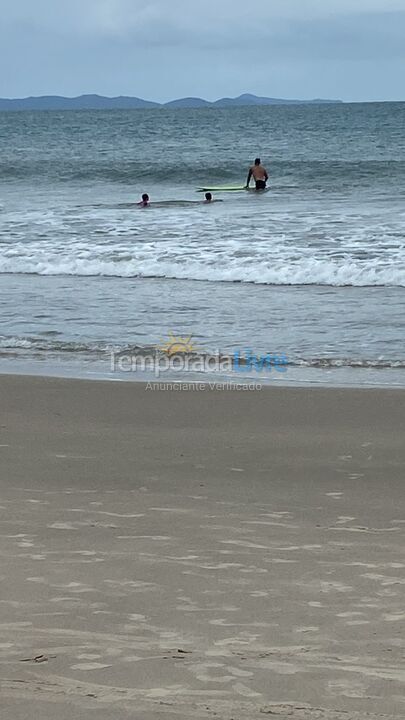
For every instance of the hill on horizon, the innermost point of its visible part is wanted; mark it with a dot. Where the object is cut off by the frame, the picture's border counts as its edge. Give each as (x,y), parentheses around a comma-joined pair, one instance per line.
(124,102)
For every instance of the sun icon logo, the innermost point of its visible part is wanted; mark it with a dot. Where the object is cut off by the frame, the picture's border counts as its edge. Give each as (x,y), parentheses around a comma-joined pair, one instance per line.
(177,345)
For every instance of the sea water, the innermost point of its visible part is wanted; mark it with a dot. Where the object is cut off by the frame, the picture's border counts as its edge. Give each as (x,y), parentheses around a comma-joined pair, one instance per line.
(313,270)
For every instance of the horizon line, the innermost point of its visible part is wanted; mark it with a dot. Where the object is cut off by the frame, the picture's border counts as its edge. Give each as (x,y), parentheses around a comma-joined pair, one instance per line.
(197,98)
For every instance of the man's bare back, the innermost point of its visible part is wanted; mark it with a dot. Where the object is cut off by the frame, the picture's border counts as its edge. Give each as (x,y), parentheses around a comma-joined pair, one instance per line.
(259,172)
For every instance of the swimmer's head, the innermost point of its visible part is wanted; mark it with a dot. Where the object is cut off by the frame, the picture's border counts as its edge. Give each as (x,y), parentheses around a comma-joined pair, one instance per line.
(208,197)
(257,161)
(145,197)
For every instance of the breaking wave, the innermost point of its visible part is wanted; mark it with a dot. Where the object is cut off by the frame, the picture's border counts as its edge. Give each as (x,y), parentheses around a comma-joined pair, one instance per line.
(42,346)
(303,271)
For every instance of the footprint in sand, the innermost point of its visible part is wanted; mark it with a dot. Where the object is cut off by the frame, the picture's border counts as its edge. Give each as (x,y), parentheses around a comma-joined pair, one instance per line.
(89,666)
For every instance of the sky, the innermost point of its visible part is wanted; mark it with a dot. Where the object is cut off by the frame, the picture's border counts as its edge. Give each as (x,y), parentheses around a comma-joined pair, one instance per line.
(159,50)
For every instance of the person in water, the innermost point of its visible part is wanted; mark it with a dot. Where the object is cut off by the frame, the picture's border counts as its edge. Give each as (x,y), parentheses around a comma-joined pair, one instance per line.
(259,174)
(209,199)
(145,200)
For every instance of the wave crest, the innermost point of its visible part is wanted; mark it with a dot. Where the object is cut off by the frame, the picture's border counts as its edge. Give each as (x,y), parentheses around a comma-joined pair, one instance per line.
(306,271)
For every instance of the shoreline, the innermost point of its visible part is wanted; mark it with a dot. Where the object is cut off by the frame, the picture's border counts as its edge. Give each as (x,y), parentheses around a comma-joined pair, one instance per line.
(305,377)
(201,554)
(215,384)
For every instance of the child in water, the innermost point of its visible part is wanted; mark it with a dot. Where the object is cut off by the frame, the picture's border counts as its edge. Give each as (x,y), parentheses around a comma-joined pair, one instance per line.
(145,200)
(209,199)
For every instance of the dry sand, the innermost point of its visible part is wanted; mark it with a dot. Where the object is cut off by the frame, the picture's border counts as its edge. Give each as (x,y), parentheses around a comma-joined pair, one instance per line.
(200,555)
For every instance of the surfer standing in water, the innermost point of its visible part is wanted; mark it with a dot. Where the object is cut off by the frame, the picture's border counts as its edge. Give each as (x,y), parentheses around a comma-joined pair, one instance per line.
(259,174)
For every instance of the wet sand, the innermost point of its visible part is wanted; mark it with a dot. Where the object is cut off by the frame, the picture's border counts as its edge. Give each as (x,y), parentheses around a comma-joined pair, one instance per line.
(230,555)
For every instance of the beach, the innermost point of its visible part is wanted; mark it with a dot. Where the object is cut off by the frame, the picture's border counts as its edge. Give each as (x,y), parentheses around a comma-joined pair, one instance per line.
(198,553)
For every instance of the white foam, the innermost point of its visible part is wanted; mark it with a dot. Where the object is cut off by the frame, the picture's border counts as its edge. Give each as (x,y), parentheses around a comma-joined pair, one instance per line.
(211,266)
(231,243)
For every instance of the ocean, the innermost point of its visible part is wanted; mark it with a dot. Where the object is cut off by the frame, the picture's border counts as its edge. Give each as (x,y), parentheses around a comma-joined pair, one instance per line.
(312,271)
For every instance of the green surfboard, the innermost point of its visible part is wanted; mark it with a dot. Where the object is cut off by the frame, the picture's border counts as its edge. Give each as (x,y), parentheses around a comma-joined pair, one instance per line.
(230,188)
(222,188)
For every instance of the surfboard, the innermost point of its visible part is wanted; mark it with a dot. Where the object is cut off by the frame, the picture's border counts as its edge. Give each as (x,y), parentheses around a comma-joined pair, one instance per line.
(222,188)
(230,188)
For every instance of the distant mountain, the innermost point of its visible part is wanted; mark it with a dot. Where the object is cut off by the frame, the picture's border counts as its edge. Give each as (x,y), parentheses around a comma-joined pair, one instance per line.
(248,99)
(84,102)
(189,102)
(99,102)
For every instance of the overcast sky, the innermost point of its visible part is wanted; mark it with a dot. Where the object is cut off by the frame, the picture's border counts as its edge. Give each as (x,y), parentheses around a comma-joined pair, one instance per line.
(163,49)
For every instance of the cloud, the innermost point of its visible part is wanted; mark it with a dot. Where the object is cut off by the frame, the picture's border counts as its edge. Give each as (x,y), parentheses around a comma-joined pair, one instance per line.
(126,17)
